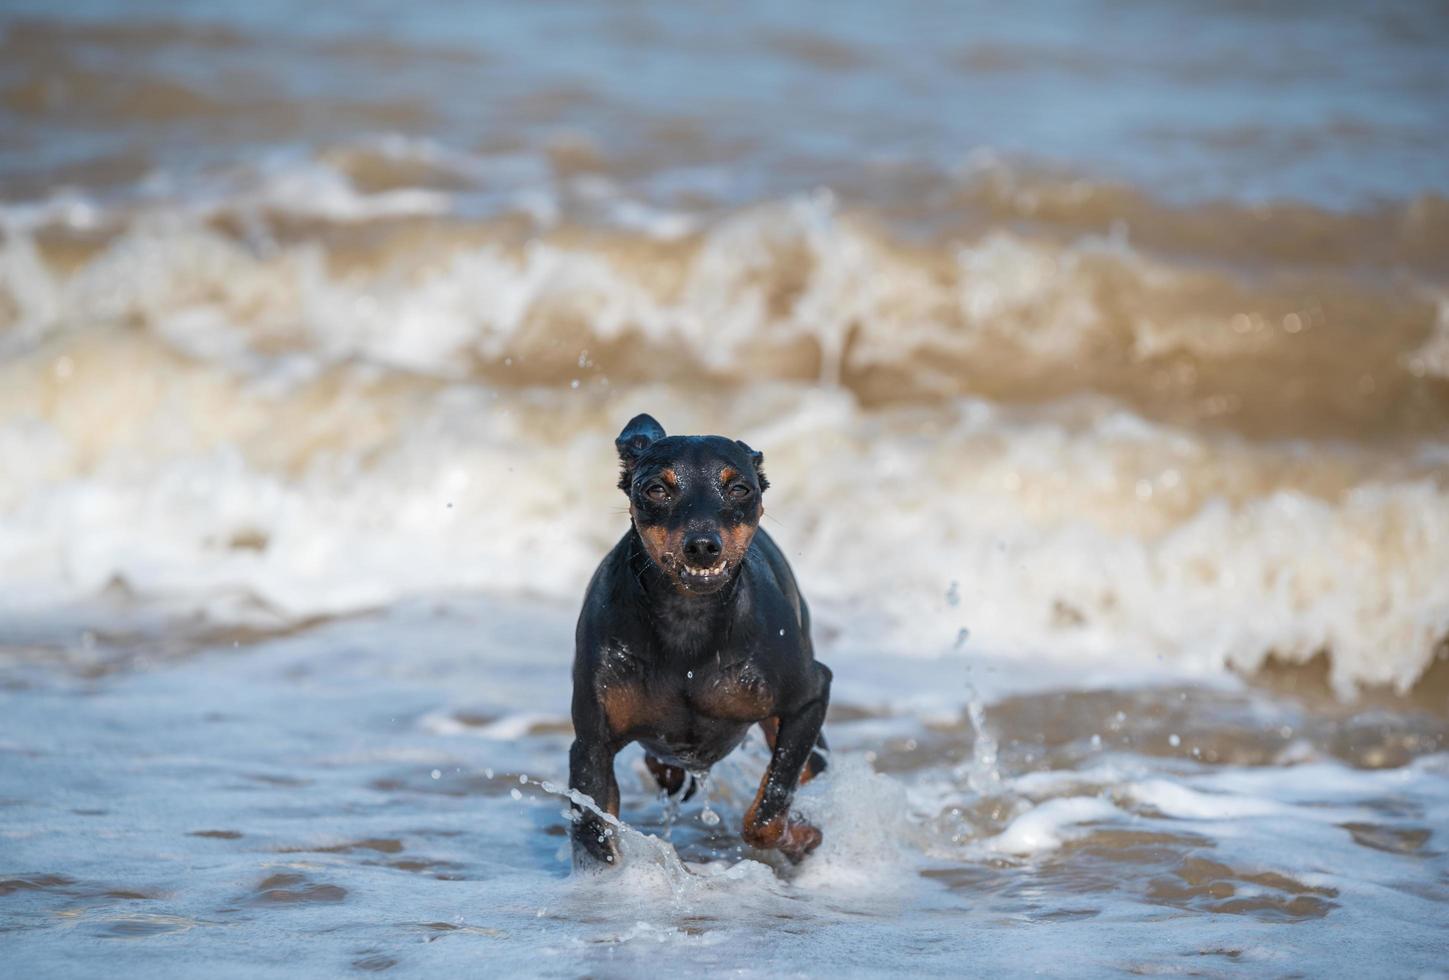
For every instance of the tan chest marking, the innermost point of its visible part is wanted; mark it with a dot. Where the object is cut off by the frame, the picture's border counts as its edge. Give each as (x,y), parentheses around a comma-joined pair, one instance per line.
(626,706)
(621,692)
(737,693)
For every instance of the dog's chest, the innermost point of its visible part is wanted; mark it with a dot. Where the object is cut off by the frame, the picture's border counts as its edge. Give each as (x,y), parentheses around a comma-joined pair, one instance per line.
(672,702)
(737,692)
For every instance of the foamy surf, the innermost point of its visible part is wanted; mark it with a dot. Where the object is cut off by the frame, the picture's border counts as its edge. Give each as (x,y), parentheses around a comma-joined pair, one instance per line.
(278,434)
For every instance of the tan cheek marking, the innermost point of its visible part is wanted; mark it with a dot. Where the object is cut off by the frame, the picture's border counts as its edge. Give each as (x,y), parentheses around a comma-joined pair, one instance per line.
(737,540)
(656,540)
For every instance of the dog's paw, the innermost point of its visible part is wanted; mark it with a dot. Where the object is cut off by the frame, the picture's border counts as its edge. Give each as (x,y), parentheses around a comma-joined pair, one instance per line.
(798,840)
(595,849)
(789,835)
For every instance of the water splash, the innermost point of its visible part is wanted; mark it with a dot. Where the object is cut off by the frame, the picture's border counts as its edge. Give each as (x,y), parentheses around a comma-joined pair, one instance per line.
(982,773)
(707,815)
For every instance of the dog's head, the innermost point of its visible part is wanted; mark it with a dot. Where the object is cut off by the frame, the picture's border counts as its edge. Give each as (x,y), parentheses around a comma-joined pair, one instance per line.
(695,500)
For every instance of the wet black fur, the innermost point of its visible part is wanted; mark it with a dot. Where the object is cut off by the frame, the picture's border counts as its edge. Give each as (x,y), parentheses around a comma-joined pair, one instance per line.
(639,630)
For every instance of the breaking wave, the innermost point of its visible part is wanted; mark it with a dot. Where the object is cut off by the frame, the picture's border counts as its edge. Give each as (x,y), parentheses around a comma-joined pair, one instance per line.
(1074,449)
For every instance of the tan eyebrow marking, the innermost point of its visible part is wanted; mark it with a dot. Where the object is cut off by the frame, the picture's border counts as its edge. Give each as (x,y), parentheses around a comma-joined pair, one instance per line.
(727,474)
(669,477)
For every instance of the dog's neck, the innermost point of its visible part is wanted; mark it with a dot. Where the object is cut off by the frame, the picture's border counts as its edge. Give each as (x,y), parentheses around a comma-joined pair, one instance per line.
(686,625)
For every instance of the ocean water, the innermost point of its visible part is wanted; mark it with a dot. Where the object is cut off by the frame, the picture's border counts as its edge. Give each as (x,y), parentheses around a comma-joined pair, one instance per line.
(1100,360)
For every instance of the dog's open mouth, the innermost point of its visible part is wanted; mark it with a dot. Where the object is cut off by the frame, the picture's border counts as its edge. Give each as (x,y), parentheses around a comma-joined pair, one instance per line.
(713,575)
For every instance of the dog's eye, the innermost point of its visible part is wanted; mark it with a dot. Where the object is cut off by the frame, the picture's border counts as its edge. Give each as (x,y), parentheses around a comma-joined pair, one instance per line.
(656,491)
(740,491)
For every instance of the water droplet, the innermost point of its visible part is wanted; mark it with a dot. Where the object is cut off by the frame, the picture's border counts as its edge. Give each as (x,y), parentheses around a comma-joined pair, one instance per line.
(488,773)
(574,383)
(707,816)
(962,635)
(953,594)
(1174,740)
(689,674)
(782,632)
(523,779)
(515,794)
(437,774)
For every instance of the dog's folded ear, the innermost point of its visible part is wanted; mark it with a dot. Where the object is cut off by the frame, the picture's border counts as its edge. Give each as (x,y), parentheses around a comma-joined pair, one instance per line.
(758,461)
(641,432)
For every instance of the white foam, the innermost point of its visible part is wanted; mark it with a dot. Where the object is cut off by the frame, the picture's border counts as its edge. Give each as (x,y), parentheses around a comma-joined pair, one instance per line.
(508,727)
(1177,800)
(866,827)
(1046,826)
(1432,356)
(1077,530)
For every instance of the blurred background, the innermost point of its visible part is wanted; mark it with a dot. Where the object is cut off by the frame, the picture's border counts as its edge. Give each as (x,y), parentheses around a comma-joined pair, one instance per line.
(1105,342)
(1128,318)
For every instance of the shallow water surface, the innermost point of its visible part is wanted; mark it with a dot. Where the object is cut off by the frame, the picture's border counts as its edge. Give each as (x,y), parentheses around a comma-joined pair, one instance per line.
(368,795)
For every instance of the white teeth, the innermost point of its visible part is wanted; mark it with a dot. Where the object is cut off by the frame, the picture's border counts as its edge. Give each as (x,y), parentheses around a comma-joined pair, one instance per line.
(718,568)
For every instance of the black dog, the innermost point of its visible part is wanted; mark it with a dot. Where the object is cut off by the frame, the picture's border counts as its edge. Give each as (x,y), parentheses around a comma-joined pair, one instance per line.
(693,630)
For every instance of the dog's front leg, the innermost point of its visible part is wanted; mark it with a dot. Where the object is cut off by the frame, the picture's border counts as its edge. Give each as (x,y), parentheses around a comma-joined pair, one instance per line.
(767,822)
(591,772)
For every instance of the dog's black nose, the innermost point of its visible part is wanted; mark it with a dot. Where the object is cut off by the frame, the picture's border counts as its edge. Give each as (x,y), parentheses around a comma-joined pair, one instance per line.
(702,548)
